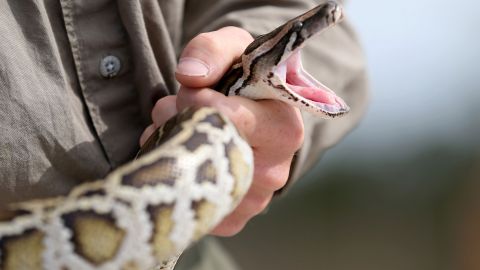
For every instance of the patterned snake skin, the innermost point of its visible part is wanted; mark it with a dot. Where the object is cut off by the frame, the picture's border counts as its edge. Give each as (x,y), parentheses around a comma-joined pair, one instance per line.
(190,174)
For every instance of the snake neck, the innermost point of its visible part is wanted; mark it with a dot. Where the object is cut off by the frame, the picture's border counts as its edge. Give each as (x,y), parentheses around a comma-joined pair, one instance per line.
(271,66)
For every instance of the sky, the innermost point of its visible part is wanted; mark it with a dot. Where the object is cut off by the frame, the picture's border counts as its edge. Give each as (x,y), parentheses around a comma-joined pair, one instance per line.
(424,65)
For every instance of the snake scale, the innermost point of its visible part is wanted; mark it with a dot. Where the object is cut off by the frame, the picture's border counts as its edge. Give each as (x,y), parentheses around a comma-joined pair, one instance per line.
(189,175)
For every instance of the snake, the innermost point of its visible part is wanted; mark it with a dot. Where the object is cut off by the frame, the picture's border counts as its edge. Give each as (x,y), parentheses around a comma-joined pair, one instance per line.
(189,175)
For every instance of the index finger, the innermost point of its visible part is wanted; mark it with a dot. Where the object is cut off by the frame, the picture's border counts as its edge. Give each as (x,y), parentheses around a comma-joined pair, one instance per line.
(257,121)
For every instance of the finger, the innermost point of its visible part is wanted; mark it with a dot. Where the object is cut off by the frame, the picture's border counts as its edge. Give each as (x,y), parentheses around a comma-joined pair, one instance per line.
(253,204)
(164,109)
(209,55)
(146,134)
(271,172)
(266,123)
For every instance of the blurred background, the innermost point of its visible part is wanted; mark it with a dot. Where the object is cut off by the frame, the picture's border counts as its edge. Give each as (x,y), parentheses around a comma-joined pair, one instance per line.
(402,191)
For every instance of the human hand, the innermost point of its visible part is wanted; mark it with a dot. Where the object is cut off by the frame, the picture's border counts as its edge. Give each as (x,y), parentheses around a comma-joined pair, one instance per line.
(273,129)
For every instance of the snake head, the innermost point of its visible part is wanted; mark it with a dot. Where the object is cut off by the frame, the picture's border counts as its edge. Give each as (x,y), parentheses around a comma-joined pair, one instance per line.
(271,66)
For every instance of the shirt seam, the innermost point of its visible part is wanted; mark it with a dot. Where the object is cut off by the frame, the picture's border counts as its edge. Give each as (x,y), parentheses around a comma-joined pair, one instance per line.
(76,47)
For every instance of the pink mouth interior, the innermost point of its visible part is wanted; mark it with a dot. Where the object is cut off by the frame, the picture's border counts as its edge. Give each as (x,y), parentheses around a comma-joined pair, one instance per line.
(308,92)
(303,84)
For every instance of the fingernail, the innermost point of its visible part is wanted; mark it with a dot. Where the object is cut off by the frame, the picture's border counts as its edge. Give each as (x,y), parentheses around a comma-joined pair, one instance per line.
(190,66)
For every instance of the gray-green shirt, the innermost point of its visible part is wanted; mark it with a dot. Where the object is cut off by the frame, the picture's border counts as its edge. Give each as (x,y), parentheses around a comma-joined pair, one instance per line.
(78,80)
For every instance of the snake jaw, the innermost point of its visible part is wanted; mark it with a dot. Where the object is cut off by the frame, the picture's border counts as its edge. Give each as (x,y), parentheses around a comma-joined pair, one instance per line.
(317,97)
(271,68)
(302,87)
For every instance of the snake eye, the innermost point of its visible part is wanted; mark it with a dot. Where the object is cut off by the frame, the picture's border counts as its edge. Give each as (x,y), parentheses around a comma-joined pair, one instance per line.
(297,25)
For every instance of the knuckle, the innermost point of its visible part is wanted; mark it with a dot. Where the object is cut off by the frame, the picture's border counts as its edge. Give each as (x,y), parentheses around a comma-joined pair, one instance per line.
(253,204)
(293,136)
(240,33)
(229,227)
(297,133)
(183,97)
(146,134)
(163,107)
(272,179)
(286,132)
(156,111)
(209,41)
(258,204)
(275,183)
(235,228)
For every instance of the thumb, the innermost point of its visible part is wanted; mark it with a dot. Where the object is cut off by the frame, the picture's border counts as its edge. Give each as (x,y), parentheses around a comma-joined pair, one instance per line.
(209,55)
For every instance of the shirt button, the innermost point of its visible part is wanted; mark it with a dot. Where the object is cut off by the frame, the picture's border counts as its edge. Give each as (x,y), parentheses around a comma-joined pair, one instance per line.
(110,65)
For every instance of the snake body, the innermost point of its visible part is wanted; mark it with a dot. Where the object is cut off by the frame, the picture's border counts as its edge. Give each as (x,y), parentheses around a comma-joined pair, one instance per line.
(189,175)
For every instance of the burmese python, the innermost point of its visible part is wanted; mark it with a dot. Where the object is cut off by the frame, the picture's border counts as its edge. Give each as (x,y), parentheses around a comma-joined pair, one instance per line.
(188,176)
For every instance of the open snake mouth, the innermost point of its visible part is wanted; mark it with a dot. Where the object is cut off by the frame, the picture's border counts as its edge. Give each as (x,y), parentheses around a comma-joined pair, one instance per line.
(306,88)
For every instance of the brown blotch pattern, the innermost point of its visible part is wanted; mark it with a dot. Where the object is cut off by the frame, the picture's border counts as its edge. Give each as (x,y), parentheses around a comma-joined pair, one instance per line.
(93,192)
(169,130)
(229,79)
(160,171)
(206,173)
(215,120)
(161,217)
(95,237)
(22,251)
(238,167)
(7,215)
(196,140)
(204,210)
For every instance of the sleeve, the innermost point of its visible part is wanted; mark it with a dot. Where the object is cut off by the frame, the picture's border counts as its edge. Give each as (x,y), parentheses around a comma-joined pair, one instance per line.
(335,58)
